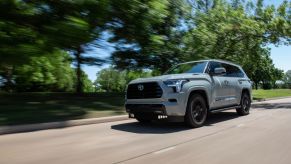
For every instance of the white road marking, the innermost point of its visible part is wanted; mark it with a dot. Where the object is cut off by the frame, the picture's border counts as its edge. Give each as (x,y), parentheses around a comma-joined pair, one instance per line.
(240,125)
(164,150)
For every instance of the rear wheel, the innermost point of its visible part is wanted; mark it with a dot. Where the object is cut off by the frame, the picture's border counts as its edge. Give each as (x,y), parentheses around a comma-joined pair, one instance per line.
(196,112)
(245,105)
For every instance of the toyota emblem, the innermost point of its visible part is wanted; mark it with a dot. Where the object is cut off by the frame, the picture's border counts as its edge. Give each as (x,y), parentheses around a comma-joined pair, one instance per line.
(140,87)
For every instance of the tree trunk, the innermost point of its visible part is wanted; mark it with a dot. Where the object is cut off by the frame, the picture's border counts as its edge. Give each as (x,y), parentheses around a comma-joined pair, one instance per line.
(256,85)
(8,76)
(79,85)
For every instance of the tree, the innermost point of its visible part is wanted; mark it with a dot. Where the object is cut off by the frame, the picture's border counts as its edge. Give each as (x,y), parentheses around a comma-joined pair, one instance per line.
(287,79)
(19,37)
(88,86)
(148,34)
(277,75)
(227,32)
(214,29)
(113,80)
(30,28)
(75,26)
(46,73)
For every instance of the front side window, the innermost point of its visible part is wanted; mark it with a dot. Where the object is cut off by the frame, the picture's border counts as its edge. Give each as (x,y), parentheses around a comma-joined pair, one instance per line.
(195,67)
(212,67)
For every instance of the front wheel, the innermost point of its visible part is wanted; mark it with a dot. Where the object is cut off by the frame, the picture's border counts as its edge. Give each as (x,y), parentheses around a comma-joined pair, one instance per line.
(245,105)
(196,112)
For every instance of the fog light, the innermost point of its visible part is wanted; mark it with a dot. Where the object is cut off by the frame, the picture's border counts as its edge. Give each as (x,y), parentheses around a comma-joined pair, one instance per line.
(131,115)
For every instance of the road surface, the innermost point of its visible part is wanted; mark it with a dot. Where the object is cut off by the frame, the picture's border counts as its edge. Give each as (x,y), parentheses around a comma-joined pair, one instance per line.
(264,137)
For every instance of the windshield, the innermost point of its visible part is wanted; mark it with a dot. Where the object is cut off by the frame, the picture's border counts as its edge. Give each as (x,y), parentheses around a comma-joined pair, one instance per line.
(195,67)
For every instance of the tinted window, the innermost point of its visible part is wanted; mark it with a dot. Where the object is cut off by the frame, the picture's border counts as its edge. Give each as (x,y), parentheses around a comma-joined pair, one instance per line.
(214,65)
(232,71)
(239,73)
(195,67)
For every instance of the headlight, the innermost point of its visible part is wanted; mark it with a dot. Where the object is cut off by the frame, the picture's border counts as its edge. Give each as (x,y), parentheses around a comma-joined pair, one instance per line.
(176,84)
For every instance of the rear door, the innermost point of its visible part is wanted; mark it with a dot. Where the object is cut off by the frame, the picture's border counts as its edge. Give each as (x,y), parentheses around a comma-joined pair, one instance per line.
(233,87)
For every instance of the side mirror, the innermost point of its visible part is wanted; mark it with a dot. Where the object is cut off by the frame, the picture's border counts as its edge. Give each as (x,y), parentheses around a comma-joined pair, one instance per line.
(219,71)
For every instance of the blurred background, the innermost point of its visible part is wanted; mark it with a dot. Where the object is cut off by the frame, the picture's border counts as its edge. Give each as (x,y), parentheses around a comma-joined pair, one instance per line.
(48,47)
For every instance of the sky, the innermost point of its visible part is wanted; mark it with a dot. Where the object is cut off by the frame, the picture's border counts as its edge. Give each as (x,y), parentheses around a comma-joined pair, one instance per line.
(281,55)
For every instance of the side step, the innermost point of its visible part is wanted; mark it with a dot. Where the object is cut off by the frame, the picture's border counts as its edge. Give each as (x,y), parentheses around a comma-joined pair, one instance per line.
(223,109)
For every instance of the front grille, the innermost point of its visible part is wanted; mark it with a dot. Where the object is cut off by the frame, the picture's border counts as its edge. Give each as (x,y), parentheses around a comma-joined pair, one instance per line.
(149,90)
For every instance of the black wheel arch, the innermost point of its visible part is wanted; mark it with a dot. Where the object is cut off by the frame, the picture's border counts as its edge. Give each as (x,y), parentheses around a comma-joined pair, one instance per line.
(247,91)
(201,92)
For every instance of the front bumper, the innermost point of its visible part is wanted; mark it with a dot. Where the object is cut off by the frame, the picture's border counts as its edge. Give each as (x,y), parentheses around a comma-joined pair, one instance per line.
(151,111)
(170,104)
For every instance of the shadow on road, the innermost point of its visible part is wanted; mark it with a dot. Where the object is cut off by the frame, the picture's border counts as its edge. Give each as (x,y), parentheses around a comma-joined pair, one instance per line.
(161,127)
(157,127)
(271,106)
(212,119)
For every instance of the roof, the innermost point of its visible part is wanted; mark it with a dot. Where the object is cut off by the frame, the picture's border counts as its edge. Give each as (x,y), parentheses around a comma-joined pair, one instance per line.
(216,60)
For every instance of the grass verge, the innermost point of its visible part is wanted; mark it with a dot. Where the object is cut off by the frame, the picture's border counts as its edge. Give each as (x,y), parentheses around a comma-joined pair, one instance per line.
(272,93)
(25,108)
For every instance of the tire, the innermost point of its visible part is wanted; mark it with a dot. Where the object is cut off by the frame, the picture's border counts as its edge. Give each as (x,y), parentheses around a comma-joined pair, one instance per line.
(245,105)
(196,112)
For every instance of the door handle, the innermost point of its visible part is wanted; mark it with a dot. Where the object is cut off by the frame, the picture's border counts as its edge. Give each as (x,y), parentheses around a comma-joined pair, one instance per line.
(240,81)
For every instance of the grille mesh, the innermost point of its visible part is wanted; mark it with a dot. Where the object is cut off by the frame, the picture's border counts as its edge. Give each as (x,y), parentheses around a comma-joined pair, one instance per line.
(150,90)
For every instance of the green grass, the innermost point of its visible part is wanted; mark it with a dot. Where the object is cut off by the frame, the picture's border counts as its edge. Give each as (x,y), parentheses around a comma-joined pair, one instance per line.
(24,108)
(262,94)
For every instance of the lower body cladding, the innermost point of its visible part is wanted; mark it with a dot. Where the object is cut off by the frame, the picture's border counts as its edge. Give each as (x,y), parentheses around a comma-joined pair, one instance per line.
(169,111)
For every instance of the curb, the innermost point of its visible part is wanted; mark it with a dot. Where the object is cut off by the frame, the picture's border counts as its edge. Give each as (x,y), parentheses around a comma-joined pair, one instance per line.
(60,124)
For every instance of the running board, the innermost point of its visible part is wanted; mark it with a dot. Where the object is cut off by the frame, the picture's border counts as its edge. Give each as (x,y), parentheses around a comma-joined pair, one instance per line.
(223,109)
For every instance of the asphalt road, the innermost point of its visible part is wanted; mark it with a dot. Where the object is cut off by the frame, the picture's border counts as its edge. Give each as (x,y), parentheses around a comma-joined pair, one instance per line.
(264,137)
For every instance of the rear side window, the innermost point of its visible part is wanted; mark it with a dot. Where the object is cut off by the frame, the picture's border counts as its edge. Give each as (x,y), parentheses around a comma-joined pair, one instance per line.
(232,71)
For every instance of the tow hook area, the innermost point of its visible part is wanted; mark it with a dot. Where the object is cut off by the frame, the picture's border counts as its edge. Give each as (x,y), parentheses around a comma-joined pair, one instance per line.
(159,117)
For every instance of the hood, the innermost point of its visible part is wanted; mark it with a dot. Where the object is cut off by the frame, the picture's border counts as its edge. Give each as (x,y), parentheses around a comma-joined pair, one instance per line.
(166,77)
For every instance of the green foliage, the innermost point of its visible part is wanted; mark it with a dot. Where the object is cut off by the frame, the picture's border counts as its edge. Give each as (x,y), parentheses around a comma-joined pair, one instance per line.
(18,40)
(38,28)
(153,34)
(73,25)
(234,31)
(46,73)
(287,79)
(112,80)
(147,36)
(50,73)
(87,83)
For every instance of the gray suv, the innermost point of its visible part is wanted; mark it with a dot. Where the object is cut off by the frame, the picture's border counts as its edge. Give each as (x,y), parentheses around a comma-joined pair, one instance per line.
(189,92)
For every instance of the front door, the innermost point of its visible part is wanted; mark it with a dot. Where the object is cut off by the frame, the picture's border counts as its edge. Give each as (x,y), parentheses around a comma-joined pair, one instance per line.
(220,87)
